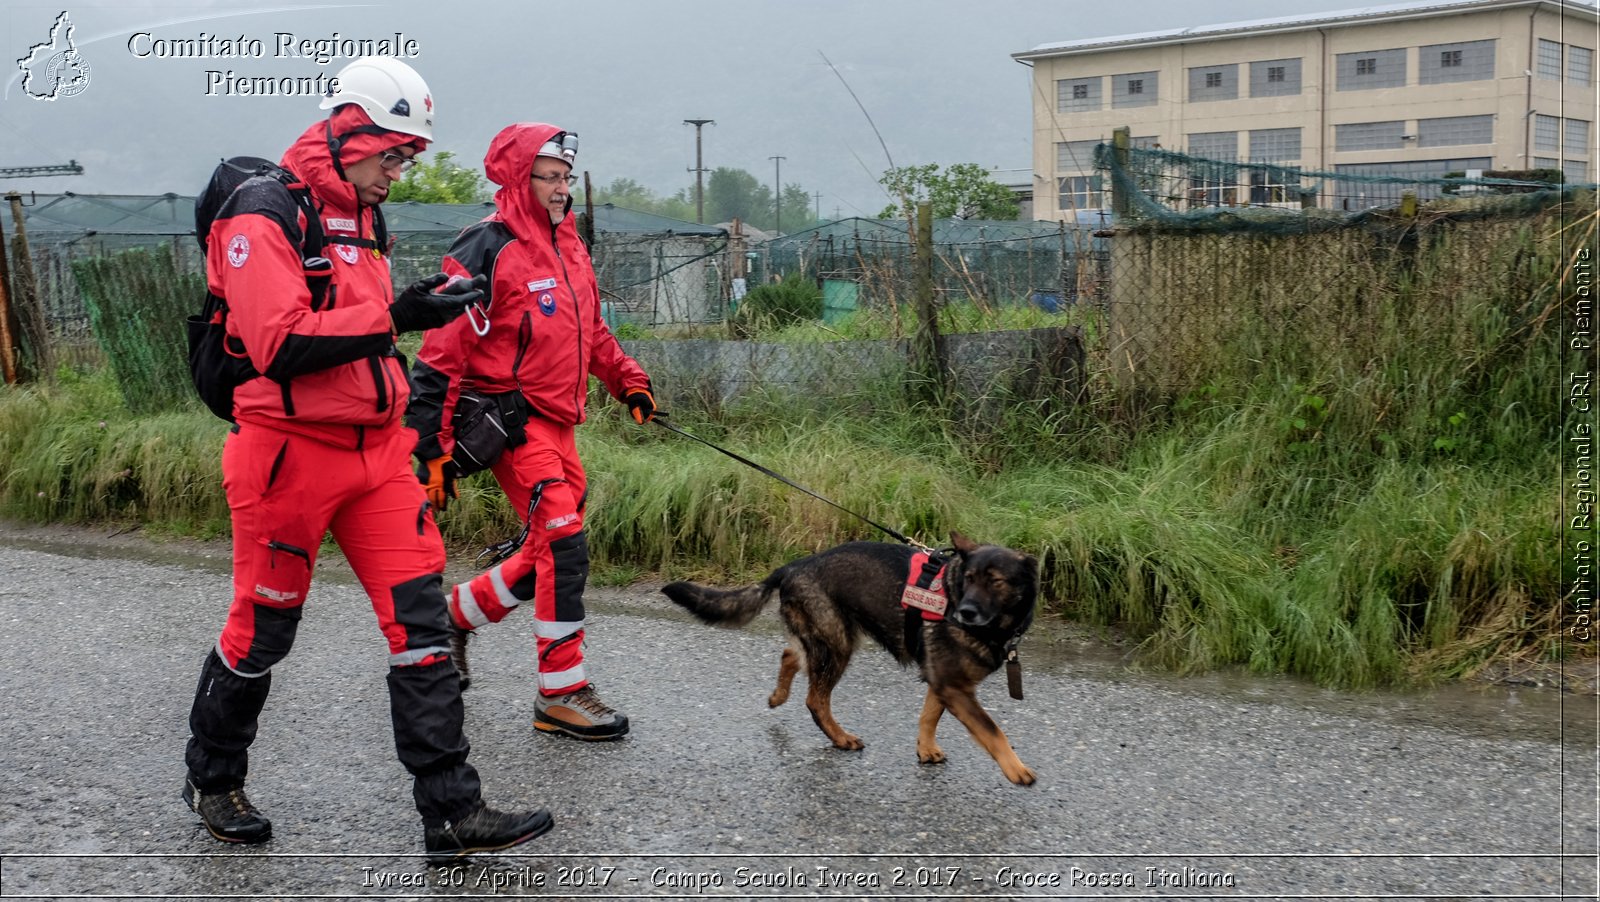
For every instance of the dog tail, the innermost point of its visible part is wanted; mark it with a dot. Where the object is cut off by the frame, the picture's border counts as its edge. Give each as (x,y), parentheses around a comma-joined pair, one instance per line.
(722,607)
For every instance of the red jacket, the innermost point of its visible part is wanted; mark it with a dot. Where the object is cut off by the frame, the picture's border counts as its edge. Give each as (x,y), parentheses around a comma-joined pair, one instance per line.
(330,373)
(545,336)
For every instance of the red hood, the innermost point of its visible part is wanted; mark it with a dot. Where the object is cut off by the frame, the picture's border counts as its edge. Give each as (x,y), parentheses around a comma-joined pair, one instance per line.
(508,164)
(309,158)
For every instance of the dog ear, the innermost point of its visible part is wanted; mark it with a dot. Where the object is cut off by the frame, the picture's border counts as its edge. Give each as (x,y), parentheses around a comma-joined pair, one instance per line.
(1030,562)
(962,543)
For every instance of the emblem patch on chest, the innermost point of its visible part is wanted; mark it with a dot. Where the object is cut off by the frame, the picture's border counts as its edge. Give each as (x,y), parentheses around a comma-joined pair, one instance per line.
(347,253)
(547,304)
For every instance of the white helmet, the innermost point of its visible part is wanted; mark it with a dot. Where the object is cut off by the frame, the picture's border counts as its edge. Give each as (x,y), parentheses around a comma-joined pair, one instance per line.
(393,94)
(563,146)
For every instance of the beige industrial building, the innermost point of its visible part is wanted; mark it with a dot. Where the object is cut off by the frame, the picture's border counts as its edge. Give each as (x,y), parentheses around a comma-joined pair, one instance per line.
(1411,89)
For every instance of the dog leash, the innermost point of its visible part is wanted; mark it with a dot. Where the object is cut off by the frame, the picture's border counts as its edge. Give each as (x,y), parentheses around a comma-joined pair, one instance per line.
(660,419)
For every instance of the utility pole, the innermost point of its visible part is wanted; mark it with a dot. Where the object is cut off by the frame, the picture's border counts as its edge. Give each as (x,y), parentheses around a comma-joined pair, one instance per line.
(819,206)
(777,194)
(699,167)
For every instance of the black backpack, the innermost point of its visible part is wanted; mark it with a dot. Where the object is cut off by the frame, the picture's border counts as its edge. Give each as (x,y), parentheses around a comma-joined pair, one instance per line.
(218,364)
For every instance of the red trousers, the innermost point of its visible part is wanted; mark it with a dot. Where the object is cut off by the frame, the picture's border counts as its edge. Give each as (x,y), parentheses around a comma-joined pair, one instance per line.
(552,567)
(285,492)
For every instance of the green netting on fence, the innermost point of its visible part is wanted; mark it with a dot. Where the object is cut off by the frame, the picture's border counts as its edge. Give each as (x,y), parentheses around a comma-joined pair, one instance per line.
(137,302)
(1157,188)
(982,261)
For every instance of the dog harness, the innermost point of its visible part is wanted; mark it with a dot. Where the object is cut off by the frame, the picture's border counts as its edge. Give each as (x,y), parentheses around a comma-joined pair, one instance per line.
(924,592)
(924,598)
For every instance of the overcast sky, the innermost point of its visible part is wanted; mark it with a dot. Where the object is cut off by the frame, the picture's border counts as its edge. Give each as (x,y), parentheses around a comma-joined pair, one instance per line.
(936,76)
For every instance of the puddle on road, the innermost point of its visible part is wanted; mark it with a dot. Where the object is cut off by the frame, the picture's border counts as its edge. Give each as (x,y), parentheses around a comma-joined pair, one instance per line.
(1534,713)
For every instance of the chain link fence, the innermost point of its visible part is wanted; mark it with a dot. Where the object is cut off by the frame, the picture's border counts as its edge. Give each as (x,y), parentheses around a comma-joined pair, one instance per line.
(1151,306)
(1195,289)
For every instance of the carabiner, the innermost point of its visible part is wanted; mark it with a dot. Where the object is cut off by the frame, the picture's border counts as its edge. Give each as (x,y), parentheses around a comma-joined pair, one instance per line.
(481,314)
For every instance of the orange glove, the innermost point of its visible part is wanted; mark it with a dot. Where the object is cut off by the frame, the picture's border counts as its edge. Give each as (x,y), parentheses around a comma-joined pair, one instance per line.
(641,404)
(438,478)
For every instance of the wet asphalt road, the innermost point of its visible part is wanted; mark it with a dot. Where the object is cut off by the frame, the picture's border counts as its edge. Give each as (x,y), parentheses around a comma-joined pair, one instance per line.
(1150,786)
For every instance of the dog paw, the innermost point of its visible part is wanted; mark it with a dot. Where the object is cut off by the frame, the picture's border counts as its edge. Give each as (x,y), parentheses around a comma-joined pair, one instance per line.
(934,755)
(776,699)
(1022,776)
(849,743)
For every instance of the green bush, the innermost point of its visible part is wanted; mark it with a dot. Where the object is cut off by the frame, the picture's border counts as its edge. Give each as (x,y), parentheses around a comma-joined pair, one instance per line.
(794,300)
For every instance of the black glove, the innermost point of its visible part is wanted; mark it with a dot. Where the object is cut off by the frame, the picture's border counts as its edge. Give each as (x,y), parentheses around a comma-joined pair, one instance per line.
(641,404)
(422,307)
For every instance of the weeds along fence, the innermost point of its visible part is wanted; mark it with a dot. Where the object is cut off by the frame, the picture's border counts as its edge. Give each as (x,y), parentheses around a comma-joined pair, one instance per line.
(1456,286)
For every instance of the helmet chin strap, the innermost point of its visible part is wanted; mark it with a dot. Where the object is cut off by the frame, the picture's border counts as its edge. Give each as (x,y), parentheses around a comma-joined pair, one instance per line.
(333,150)
(336,142)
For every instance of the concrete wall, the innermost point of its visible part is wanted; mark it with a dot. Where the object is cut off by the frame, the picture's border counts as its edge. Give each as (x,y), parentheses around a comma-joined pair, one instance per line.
(709,374)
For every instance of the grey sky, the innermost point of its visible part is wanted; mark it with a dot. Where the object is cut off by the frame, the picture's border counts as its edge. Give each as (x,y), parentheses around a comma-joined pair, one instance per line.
(935,75)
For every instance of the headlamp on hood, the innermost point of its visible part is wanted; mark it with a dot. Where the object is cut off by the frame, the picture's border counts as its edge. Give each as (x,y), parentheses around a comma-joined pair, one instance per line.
(563,146)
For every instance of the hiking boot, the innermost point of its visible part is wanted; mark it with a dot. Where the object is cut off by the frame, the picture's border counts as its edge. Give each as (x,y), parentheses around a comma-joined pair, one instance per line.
(484,830)
(580,713)
(458,653)
(228,815)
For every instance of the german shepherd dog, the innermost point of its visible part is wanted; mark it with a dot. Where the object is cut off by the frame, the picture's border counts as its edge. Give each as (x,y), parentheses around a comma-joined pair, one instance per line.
(829,599)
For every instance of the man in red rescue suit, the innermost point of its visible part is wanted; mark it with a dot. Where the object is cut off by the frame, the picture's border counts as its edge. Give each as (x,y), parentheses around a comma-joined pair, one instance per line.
(545,338)
(319,444)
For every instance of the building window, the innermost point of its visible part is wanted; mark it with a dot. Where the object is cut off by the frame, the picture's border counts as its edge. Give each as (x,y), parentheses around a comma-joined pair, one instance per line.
(1546,133)
(1356,136)
(1075,156)
(1274,145)
(1577,144)
(1462,61)
(1212,191)
(1354,195)
(1214,83)
(1450,130)
(1135,89)
(1575,172)
(1371,69)
(1580,65)
(1079,192)
(1273,186)
(1215,145)
(1078,95)
(1546,163)
(1275,78)
(1548,63)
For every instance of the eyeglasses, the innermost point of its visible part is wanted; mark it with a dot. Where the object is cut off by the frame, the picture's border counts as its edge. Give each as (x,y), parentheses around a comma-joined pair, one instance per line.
(555,179)
(399,161)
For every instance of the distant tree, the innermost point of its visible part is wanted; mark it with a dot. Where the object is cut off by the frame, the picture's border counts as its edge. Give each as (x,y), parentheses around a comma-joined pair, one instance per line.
(734,193)
(798,212)
(964,190)
(730,193)
(441,181)
(630,195)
